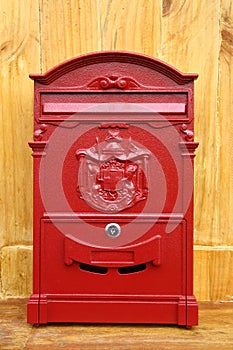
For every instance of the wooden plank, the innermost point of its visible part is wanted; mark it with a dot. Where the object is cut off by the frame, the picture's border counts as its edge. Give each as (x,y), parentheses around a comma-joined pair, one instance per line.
(130,25)
(224,207)
(212,273)
(190,42)
(13,328)
(201,273)
(68,28)
(1,296)
(214,332)
(16,271)
(221,282)
(19,56)
(189,35)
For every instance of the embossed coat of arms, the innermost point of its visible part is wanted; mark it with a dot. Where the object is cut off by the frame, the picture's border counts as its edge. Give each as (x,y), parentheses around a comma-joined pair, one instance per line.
(113,174)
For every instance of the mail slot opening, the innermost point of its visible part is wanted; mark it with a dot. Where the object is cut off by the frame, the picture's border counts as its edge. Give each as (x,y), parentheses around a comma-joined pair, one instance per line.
(94,269)
(131,269)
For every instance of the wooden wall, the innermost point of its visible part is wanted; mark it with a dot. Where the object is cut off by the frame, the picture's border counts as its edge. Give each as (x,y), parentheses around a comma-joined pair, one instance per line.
(194,36)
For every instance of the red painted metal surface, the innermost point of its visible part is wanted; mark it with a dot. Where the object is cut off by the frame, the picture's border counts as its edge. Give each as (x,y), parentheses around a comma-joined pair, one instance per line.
(113,157)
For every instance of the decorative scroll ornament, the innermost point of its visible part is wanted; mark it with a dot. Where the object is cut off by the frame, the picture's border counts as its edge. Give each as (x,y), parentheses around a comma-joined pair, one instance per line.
(189,135)
(113,81)
(38,134)
(112,174)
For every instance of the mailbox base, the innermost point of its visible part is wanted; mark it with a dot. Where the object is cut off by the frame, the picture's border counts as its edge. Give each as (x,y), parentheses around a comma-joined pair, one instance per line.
(120,309)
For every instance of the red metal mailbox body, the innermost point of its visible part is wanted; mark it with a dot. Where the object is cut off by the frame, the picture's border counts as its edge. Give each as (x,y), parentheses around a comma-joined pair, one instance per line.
(113,157)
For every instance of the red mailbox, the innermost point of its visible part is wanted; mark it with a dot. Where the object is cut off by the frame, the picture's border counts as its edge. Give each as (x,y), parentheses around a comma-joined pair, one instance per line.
(113,157)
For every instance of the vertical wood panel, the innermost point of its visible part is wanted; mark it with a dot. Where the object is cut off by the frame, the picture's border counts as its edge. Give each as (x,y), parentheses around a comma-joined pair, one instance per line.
(130,25)
(221,282)
(16,271)
(225,126)
(19,56)
(194,36)
(202,260)
(213,273)
(190,42)
(68,28)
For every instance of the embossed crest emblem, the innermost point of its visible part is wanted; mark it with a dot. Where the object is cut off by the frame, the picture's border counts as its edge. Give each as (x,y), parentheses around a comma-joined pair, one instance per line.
(112,174)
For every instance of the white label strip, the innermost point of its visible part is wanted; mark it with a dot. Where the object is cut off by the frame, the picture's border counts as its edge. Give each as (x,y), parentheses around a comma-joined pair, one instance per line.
(116,107)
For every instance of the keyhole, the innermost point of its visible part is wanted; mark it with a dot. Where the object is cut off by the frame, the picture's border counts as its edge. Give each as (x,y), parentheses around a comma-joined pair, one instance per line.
(113,230)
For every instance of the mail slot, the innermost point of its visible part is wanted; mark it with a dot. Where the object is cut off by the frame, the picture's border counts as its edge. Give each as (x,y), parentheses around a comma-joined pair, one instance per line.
(113,158)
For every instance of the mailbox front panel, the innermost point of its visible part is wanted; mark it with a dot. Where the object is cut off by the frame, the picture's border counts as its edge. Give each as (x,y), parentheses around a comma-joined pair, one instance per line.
(113,192)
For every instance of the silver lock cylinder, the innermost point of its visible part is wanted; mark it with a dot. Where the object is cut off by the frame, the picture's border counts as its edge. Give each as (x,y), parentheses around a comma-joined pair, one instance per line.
(113,230)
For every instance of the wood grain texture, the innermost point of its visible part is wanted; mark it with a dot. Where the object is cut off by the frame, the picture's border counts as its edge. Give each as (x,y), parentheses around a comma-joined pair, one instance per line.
(214,332)
(213,273)
(70,28)
(194,36)
(19,55)
(67,29)
(130,25)
(224,205)
(190,42)
(16,271)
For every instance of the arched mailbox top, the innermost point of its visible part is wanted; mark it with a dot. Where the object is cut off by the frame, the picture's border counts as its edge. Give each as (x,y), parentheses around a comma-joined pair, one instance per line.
(113,81)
